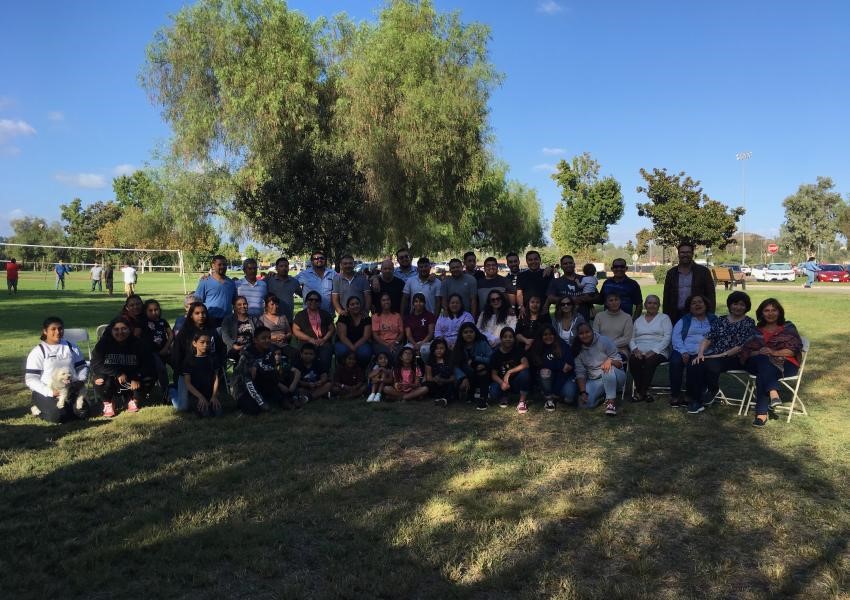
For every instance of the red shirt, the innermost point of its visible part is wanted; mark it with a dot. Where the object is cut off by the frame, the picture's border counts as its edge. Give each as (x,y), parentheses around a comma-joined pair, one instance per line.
(12,271)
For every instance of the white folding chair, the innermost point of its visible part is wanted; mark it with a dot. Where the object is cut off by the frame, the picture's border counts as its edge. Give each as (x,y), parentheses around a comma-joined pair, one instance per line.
(792,384)
(78,336)
(743,378)
(100,329)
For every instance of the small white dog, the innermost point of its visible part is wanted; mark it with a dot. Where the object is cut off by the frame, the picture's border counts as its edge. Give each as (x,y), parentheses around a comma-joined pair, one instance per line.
(62,381)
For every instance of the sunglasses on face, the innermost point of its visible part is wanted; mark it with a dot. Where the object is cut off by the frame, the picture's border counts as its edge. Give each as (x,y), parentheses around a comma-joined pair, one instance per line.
(566,303)
(495,299)
(618,266)
(313,300)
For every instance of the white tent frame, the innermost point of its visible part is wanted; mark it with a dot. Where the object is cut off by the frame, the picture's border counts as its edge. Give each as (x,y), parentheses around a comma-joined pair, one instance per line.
(180,263)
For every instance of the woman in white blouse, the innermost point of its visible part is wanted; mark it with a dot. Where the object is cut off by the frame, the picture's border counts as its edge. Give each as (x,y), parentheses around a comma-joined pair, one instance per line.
(650,347)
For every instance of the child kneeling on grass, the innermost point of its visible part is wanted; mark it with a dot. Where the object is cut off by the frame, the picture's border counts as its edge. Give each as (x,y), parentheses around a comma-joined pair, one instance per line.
(379,377)
(509,371)
(202,378)
(349,379)
(264,375)
(314,381)
(440,374)
(407,378)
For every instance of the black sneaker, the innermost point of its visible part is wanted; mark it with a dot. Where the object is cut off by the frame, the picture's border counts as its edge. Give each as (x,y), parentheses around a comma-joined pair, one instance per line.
(758,423)
(441,402)
(676,402)
(503,402)
(482,404)
(695,409)
(774,402)
(550,405)
(709,401)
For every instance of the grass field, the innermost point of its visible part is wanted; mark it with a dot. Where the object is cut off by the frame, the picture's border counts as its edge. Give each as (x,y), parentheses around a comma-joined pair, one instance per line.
(349,500)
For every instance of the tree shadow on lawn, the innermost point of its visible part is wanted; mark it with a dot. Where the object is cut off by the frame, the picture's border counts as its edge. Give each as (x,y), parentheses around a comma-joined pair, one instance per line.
(340,500)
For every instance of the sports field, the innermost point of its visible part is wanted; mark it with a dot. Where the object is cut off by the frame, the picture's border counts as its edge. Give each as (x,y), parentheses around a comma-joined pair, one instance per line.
(349,500)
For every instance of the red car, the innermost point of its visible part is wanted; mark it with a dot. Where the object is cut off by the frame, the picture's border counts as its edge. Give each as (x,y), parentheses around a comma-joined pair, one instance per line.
(835,273)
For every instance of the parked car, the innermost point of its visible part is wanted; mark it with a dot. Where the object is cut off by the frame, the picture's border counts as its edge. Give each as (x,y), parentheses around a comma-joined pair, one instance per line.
(774,272)
(835,273)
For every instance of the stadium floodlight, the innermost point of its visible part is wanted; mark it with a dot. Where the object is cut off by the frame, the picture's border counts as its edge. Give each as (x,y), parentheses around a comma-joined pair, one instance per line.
(743,157)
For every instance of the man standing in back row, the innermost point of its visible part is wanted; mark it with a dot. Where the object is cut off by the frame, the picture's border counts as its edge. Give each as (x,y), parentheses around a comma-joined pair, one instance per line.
(685,280)
(96,277)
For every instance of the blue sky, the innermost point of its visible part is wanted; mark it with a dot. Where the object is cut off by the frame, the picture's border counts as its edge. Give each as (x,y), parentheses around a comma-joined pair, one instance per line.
(682,85)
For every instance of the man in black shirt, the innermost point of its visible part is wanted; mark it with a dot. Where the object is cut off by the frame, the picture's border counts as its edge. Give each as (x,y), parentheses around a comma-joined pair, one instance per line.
(569,284)
(534,281)
(386,281)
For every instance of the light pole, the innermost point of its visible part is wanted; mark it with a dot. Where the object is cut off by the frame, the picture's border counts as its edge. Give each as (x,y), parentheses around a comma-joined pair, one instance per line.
(743,157)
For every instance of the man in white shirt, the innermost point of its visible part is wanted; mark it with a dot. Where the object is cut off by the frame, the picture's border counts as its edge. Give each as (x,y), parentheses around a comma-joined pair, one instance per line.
(129,280)
(96,277)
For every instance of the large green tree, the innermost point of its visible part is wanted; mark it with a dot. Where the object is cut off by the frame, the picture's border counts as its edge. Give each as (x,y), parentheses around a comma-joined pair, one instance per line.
(811,216)
(589,205)
(405,99)
(82,224)
(37,231)
(680,210)
(844,220)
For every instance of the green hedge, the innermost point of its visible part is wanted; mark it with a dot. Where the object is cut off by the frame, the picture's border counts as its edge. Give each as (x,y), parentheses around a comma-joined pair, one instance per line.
(660,272)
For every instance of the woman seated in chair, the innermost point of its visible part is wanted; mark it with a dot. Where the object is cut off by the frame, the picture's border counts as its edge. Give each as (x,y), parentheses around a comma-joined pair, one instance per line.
(774,353)
(718,352)
(688,333)
(650,347)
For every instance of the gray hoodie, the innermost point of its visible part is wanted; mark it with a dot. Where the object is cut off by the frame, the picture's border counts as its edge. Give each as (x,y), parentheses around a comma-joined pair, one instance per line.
(589,360)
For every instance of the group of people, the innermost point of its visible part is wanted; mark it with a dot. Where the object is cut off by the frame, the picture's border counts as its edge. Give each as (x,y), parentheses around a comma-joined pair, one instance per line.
(404,333)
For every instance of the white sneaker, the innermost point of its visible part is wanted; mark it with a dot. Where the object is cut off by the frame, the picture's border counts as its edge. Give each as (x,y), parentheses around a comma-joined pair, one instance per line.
(371,397)
(35,411)
(377,398)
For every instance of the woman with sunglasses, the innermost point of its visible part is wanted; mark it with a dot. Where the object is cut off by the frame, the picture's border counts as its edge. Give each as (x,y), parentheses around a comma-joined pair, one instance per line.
(118,363)
(495,317)
(314,325)
(567,319)
(650,347)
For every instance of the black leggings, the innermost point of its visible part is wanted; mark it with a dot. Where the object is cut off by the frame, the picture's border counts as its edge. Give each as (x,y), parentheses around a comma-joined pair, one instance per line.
(643,370)
(110,388)
(49,412)
(441,390)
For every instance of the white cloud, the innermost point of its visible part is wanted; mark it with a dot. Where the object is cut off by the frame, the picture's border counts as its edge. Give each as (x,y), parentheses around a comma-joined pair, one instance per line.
(549,7)
(553,151)
(6,219)
(84,180)
(549,168)
(56,115)
(10,129)
(124,169)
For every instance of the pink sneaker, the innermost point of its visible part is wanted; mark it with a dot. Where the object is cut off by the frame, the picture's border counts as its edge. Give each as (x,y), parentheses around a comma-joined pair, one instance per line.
(132,406)
(108,410)
(522,407)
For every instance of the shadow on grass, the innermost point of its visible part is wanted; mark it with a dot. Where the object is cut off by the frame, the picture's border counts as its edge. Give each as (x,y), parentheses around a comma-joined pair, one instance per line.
(343,500)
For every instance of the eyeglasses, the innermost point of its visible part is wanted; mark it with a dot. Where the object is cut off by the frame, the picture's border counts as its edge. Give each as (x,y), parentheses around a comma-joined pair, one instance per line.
(404,257)
(314,299)
(497,299)
(318,258)
(566,304)
(618,266)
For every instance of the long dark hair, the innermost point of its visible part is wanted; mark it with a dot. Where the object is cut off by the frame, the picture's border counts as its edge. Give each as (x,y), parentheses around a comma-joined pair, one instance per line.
(432,358)
(502,315)
(539,347)
(577,345)
(458,352)
(47,323)
(189,326)
(449,311)
(760,312)
(380,310)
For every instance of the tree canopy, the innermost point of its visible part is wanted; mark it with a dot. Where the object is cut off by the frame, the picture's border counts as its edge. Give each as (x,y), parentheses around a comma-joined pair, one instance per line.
(680,210)
(402,100)
(811,216)
(589,205)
